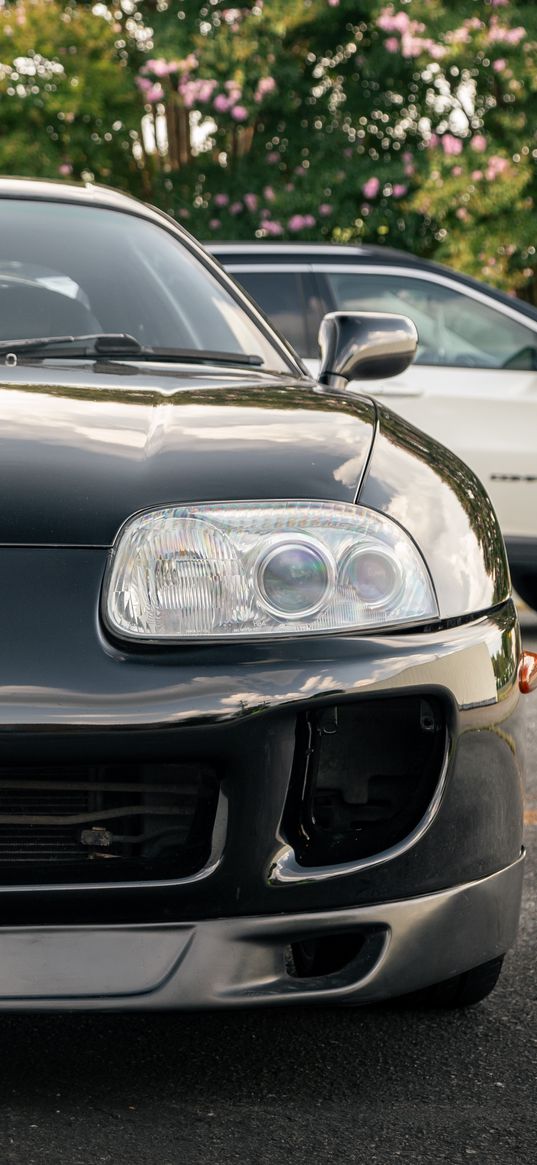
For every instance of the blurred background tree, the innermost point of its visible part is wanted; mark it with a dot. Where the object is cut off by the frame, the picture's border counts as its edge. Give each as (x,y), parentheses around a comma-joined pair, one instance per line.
(411,123)
(69,105)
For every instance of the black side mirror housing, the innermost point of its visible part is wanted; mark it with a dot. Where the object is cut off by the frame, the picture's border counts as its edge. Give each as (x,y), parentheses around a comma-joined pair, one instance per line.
(358,345)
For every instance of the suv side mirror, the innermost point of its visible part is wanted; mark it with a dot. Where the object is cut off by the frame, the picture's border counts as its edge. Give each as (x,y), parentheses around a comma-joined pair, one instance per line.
(365,346)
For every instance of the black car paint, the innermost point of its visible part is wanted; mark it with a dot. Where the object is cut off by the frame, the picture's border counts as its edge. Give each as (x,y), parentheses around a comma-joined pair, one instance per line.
(82,448)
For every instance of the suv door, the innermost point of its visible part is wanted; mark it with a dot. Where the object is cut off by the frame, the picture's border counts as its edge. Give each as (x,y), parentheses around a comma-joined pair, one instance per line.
(474,383)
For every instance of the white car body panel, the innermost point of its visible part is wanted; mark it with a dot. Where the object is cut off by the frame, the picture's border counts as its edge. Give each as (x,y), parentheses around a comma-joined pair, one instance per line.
(487,416)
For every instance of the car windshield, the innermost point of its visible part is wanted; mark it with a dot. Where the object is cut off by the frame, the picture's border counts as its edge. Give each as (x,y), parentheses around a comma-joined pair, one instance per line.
(70,269)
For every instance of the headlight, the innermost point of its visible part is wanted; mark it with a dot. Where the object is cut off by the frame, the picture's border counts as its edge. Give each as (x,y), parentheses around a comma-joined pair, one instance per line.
(262,569)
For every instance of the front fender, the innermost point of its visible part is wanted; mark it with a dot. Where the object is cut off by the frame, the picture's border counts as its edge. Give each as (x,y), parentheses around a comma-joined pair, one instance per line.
(446,510)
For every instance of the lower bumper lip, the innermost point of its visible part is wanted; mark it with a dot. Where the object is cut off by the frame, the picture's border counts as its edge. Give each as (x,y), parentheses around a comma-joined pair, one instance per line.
(241,962)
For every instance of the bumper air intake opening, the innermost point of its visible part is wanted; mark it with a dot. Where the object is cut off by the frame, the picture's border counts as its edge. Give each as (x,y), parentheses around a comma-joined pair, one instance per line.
(346,955)
(105,823)
(364,776)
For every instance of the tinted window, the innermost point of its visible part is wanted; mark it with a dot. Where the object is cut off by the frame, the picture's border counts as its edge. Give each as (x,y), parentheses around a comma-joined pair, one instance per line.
(69,269)
(453,328)
(281,296)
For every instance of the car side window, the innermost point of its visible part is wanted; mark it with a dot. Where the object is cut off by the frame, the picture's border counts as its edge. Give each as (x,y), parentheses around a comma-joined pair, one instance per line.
(454,328)
(281,295)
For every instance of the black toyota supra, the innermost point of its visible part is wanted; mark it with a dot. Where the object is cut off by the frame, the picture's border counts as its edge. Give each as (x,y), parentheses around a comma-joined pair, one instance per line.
(260,668)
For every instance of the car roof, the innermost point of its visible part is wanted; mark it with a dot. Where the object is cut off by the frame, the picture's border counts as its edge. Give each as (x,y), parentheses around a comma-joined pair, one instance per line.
(86,192)
(327,253)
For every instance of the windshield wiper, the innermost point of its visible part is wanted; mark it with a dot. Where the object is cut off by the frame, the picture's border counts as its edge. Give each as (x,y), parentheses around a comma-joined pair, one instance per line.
(120,345)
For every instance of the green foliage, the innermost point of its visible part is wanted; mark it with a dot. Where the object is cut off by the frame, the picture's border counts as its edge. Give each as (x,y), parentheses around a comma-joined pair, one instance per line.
(68,101)
(411,123)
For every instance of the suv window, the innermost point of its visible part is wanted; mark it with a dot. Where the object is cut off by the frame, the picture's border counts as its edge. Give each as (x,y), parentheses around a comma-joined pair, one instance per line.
(286,298)
(454,329)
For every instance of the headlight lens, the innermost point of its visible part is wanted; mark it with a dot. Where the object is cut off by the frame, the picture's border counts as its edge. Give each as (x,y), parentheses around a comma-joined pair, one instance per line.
(263,569)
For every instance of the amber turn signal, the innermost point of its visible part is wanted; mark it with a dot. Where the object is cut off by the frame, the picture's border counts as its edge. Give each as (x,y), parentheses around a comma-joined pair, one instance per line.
(527,673)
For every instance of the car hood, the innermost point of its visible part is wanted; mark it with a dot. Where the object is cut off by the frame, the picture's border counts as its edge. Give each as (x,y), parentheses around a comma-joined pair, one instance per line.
(82,448)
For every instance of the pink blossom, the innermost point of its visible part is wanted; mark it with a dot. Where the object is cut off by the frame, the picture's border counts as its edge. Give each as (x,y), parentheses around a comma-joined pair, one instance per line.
(159,67)
(325,209)
(457,171)
(239,113)
(65,169)
(234,90)
(477,175)
(236,208)
(478,143)
(496,166)
(196,91)
(221,199)
(273,158)
(300,170)
(268,194)
(371,188)
(333,3)
(151,92)
(409,167)
(399,190)
(462,213)
(271,227)
(183,212)
(498,34)
(451,145)
(265,85)
(251,201)
(389,21)
(187,65)
(221,103)
(499,65)
(432,141)
(392,45)
(265,213)
(459,35)
(289,186)
(215,224)
(300,222)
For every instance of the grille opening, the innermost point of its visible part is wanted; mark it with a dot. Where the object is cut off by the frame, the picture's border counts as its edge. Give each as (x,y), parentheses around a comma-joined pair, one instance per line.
(364,776)
(105,823)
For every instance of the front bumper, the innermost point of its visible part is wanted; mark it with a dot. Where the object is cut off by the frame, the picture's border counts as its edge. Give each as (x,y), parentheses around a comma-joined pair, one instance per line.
(70,697)
(241,962)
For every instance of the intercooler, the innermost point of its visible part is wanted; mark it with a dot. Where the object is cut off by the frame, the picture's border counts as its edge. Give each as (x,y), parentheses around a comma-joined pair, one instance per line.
(105,822)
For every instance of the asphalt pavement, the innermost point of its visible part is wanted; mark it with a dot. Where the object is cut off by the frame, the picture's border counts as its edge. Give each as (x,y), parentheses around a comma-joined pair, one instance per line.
(376,1086)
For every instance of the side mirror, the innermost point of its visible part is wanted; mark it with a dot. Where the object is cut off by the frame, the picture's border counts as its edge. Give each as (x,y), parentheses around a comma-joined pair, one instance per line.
(364,346)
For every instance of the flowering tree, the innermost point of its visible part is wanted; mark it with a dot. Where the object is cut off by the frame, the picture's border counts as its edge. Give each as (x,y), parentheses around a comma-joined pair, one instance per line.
(408,122)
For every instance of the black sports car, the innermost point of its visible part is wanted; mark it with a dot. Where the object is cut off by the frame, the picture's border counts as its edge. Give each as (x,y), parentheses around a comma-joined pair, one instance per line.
(260,666)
